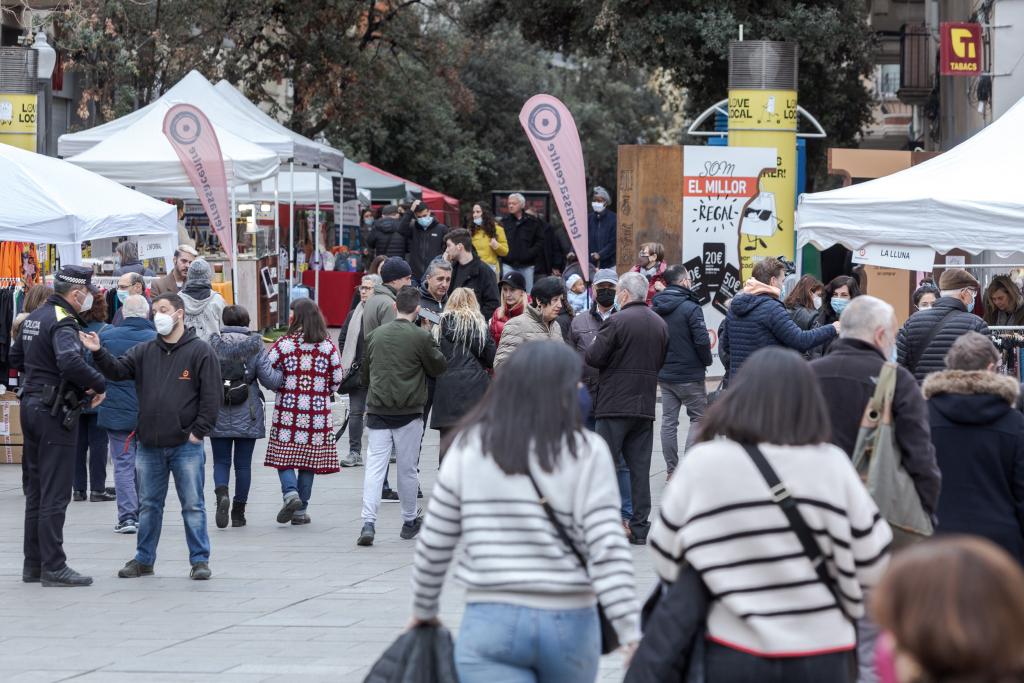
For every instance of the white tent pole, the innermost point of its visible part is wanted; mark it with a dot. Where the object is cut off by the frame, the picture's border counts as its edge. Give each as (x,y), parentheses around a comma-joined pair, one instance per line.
(316,238)
(234,245)
(291,228)
(277,242)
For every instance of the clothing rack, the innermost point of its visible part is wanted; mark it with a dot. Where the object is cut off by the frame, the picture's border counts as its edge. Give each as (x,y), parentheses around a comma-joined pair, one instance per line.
(1009,340)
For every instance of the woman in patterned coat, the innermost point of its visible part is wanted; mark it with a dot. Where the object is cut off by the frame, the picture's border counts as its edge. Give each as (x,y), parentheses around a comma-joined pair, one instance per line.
(301,434)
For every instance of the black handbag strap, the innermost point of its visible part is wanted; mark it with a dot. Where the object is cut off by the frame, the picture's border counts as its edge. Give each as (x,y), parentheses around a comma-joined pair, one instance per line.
(550,512)
(782,497)
(912,366)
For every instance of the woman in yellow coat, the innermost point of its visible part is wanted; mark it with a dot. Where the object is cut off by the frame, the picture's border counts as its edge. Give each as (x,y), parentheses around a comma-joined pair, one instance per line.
(488,238)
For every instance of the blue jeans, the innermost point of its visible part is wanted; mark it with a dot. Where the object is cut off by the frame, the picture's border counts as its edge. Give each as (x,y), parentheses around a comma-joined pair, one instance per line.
(301,484)
(503,643)
(122,454)
(243,464)
(154,466)
(625,486)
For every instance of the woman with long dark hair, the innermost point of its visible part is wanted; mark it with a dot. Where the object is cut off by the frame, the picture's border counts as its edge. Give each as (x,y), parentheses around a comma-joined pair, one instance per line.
(301,435)
(804,302)
(531,612)
(837,296)
(488,237)
(771,618)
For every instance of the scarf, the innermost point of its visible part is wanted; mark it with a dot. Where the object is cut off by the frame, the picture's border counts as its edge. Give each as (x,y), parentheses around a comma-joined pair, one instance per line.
(355,328)
(756,287)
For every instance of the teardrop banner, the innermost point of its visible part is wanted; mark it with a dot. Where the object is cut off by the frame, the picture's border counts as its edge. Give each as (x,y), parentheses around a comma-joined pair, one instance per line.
(556,142)
(195,142)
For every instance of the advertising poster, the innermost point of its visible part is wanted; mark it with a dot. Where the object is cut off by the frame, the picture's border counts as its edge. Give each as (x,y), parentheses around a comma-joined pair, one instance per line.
(720,184)
(18,121)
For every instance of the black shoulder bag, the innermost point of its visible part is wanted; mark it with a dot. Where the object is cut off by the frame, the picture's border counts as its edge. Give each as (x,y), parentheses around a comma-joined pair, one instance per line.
(609,638)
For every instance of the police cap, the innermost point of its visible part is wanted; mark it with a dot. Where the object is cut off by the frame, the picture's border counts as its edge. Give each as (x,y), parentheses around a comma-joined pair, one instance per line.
(75,275)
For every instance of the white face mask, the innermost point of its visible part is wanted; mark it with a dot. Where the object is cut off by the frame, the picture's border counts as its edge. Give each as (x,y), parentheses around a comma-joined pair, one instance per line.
(164,323)
(817,301)
(478,220)
(597,206)
(86,303)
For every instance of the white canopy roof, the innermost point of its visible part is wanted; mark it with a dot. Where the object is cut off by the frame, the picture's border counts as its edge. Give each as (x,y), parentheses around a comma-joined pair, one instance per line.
(141,155)
(49,200)
(328,157)
(195,89)
(967,198)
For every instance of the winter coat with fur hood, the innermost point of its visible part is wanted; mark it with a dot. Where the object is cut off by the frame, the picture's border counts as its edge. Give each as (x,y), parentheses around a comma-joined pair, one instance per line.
(246,420)
(979,444)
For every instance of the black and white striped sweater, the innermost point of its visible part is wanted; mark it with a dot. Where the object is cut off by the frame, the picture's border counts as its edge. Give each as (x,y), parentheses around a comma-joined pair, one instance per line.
(511,551)
(718,514)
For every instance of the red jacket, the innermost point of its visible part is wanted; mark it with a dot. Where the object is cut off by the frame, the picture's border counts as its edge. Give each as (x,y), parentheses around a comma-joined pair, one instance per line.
(659,277)
(499,318)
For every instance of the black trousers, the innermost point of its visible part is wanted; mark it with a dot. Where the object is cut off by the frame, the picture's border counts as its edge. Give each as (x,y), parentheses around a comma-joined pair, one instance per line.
(726,665)
(49,457)
(633,438)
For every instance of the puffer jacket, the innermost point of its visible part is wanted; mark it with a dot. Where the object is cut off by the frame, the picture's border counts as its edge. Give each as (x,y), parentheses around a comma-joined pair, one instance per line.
(501,318)
(386,239)
(465,382)
(120,409)
(246,420)
(689,344)
(529,326)
(425,244)
(629,351)
(758,319)
(582,333)
(203,316)
(951,313)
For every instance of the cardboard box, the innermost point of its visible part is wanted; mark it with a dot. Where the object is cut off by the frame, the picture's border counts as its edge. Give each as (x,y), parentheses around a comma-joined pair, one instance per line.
(10,419)
(10,453)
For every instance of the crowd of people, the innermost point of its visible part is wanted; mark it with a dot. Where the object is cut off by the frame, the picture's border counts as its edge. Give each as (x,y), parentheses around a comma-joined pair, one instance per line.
(545,405)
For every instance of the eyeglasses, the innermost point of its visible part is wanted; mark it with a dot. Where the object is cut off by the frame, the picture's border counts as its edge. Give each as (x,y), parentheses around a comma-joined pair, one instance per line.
(365,289)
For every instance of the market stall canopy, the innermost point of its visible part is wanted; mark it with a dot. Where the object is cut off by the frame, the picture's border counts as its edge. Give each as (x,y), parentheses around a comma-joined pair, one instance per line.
(437,201)
(141,155)
(196,90)
(52,201)
(967,198)
(382,185)
(328,157)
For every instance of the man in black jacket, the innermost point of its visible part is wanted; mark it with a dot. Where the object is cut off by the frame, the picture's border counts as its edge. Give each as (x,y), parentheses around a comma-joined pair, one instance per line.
(689,354)
(426,238)
(928,335)
(437,282)
(469,271)
(848,375)
(386,238)
(629,351)
(178,382)
(525,235)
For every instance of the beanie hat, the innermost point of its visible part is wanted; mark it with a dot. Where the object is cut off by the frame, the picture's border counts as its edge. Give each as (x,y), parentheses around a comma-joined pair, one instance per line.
(395,268)
(573,279)
(199,272)
(606,275)
(957,278)
(602,193)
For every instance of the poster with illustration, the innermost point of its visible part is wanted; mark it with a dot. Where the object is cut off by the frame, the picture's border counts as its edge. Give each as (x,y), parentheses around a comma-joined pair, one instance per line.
(721,192)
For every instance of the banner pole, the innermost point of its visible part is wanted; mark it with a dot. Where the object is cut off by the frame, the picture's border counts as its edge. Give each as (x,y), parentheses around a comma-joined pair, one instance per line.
(234,245)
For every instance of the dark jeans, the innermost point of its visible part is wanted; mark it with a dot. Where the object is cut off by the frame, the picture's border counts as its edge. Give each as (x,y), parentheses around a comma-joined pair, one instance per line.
(49,462)
(92,446)
(632,438)
(222,459)
(725,665)
(356,416)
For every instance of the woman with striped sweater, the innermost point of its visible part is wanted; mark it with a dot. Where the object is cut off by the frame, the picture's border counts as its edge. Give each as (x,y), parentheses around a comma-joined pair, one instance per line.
(531,612)
(771,618)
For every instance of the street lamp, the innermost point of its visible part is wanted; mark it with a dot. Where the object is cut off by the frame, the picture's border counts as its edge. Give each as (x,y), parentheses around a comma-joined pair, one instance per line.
(46,61)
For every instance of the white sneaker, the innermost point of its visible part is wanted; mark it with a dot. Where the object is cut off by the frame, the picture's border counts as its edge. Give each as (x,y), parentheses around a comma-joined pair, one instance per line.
(129,526)
(353,460)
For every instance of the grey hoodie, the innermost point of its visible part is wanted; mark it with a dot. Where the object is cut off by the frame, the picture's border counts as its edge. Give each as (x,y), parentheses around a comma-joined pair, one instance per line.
(203,316)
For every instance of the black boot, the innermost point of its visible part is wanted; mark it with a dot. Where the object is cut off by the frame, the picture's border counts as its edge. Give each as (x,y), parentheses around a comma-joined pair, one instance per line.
(222,506)
(238,514)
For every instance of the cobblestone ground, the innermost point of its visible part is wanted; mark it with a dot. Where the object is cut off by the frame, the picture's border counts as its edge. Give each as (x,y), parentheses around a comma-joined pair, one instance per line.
(284,601)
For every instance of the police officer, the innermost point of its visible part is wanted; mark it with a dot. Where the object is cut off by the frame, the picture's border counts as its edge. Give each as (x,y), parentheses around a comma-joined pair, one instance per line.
(57,384)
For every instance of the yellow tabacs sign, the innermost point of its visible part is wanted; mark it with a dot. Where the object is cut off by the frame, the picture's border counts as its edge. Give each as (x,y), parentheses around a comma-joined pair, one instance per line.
(767,118)
(18,121)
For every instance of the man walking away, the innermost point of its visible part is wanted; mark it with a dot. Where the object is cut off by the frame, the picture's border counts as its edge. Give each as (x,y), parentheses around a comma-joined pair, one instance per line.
(525,234)
(629,351)
(928,335)
(119,413)
(177,378)
(398,358)
(689,354)
(757,318)
(470,272)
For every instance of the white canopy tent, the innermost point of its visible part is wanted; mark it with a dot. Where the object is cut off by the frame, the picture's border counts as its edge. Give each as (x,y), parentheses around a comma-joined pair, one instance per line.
(968,198)
(140,155)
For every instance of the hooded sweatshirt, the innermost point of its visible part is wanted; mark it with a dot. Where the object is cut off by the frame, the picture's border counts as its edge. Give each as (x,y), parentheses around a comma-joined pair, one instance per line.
(203,316)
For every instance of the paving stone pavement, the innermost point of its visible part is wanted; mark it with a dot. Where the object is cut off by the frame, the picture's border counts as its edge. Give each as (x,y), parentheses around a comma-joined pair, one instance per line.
(294,601)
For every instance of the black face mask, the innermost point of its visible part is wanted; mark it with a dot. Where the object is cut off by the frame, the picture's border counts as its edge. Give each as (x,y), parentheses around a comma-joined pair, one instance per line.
(605,298)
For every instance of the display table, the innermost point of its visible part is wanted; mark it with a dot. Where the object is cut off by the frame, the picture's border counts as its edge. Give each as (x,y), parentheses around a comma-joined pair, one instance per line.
(336,289)
(224,289)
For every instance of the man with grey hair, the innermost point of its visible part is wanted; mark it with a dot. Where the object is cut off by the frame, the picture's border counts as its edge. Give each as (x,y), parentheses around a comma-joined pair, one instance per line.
(525,235)
(628,352)
(119,414)
(437,279)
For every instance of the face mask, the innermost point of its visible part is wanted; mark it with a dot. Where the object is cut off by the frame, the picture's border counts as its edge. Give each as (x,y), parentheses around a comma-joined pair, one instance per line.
(597,206)
(894,354)
(425,220)
(816,300)
(86,303)
(478,221)
(970,306)
(838,305)
(122,295)
(367,221)
(164,324)
(605,298)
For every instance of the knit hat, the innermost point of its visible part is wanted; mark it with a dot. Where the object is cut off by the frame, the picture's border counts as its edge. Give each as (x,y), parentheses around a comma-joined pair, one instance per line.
(200,272)
(395,268)
(573,279)
(602,193)
(606,275)
(957,278)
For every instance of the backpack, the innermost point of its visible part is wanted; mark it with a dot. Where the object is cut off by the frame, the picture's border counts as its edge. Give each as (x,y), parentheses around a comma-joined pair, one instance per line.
(236,389)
